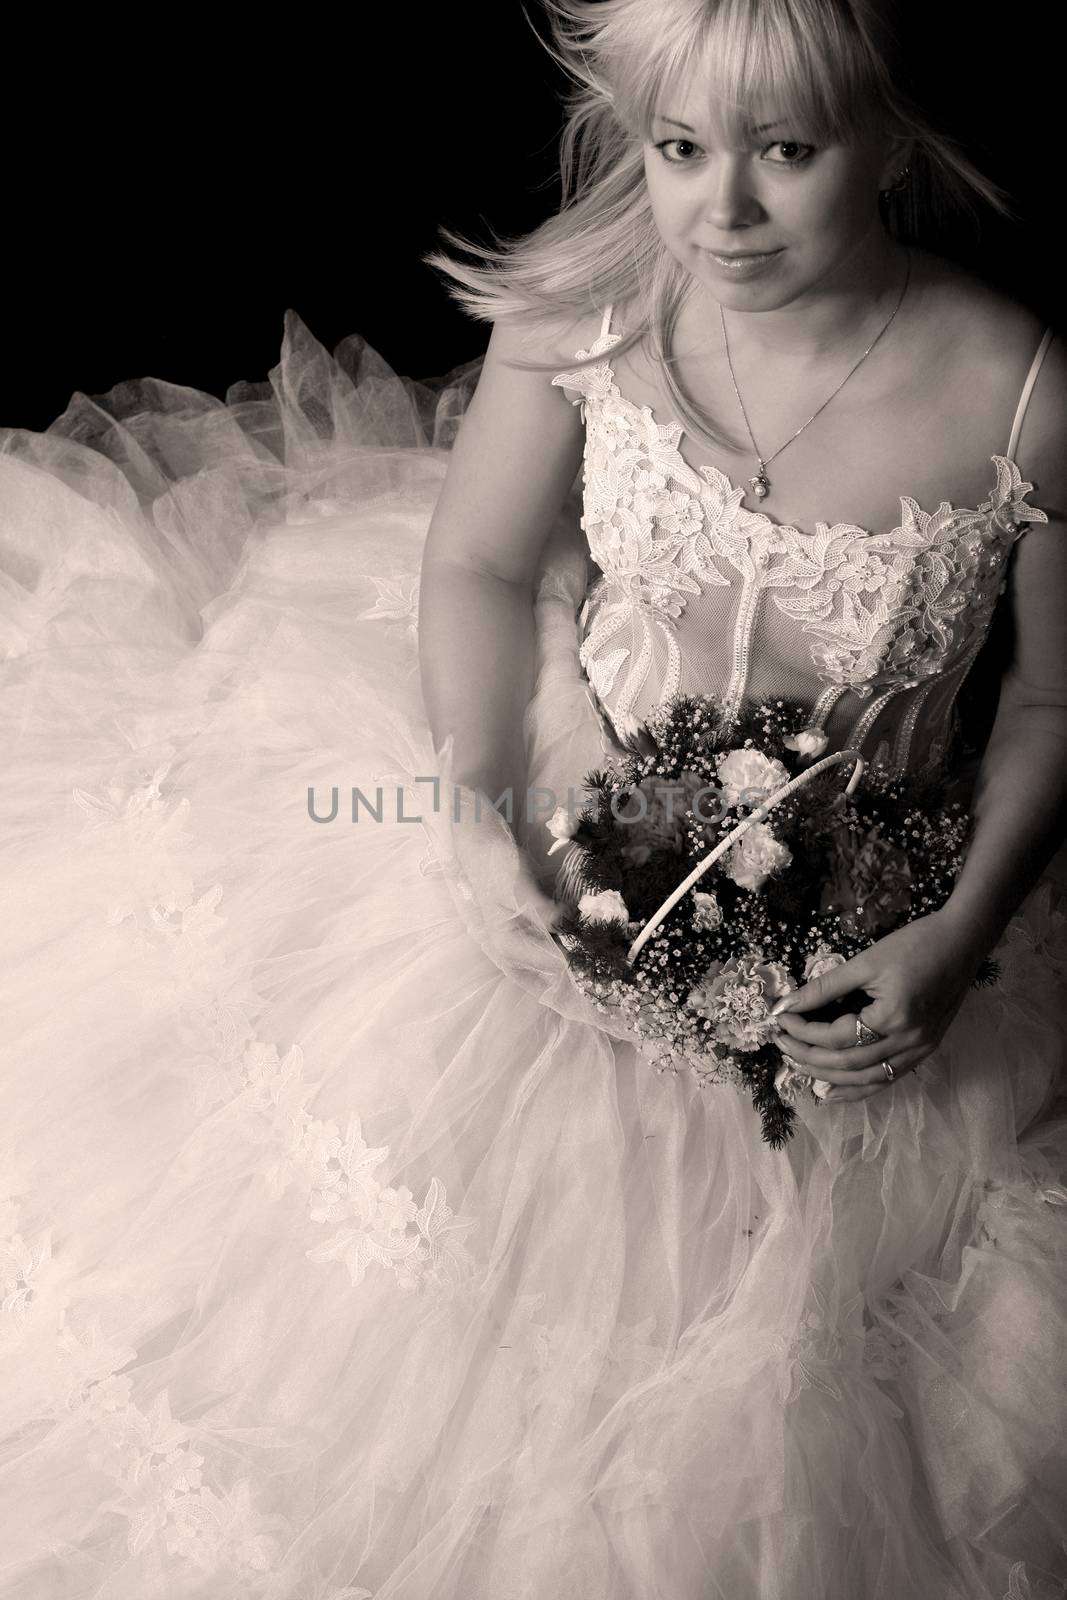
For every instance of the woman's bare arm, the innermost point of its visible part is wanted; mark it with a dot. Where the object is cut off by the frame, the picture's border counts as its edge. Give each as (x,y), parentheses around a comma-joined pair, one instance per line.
(516,456)
(1020,801)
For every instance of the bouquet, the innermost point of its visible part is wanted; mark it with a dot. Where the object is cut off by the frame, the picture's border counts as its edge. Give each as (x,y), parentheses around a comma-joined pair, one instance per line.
(719,864)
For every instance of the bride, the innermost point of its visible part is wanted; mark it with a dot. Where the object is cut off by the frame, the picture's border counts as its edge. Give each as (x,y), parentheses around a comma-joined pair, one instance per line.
(347,1250)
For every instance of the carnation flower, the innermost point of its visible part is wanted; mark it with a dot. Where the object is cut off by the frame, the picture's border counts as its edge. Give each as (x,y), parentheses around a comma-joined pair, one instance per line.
(883,876)
(653,817)
(756,856)
(821,960)
(563,826)
(607,906)
(747,773)
(791,1085)
(808,742)
(871,885)
(708,913)
(736,997)
(636,854)
(659,811)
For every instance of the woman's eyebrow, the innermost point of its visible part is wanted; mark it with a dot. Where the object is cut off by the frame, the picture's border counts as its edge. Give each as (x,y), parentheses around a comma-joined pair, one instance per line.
(764,127)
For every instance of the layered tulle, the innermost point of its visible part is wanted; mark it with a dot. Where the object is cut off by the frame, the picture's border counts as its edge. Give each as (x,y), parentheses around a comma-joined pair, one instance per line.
(344,1249)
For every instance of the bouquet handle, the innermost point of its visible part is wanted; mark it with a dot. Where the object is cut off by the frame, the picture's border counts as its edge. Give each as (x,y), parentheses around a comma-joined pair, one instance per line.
(742,827)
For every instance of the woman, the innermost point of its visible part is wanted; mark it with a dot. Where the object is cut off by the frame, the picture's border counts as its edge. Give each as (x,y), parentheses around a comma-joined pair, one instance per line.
(350,1251)
(744,170)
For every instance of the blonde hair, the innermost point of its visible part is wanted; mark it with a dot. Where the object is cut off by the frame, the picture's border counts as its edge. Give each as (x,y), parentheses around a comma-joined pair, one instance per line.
(836,66)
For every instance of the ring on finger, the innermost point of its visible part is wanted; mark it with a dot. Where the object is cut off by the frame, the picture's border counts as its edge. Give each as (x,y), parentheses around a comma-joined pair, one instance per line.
(887,1068)
(865,1035)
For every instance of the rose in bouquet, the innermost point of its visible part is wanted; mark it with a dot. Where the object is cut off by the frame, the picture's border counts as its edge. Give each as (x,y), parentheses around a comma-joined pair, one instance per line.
(794,887)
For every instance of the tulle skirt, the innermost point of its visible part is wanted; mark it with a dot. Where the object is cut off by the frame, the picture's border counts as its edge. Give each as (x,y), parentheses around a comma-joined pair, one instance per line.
(344,1249)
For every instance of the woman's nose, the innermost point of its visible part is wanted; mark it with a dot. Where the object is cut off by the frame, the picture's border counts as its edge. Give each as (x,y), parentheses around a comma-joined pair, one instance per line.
(731,202)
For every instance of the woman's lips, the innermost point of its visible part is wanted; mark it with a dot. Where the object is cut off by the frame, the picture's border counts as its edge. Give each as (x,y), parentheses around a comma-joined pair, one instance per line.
(746,264)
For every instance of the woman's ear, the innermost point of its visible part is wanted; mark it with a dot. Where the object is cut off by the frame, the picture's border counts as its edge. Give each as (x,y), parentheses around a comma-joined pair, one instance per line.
(895,168)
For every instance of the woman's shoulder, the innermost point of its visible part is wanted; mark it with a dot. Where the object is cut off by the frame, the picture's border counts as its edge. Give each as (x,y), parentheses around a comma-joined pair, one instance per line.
(555,343)
(553,337)
(984,344)
(980,322)
(561,335)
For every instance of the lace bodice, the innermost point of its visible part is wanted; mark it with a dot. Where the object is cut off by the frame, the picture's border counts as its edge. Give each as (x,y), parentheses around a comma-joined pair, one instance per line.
(695,593)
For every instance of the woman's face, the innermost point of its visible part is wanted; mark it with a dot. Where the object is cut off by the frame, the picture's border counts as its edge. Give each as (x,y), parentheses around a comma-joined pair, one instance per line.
(770,223)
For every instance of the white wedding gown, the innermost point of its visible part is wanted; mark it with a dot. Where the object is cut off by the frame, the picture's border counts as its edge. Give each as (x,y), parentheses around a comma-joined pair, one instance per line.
(343,1250)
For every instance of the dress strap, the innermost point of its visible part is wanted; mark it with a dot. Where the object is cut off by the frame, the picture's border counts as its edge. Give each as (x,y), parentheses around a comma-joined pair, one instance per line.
(1024,398)
(605,326)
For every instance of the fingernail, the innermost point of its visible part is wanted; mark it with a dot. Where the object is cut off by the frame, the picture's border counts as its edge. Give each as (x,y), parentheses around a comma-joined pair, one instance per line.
(780,1007)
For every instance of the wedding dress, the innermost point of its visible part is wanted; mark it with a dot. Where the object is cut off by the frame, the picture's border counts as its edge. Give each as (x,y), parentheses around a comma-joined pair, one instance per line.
(345,1250)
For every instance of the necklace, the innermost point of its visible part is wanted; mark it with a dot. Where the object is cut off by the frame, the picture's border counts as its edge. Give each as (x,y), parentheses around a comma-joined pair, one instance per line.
(761,484)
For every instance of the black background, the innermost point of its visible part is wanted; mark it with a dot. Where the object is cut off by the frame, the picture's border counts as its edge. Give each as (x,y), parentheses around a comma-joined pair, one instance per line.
(169,195)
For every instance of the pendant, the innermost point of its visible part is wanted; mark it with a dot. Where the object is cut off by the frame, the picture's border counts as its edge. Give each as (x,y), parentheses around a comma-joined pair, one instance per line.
(760,485)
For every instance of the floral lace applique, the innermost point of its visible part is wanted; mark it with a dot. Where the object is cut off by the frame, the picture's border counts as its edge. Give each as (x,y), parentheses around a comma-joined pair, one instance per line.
(813,1355)
(139,832)
(652,526)
(897,607)
(65,1352)
(890,609)
(398,601)
(539,1347)
(1035,939)
(22,1263)
(374,1222)
(551,1387)
(160,1488)
(889,1342)
(71,1367)
(1007,1210)
(1019,1586)
(265,1094)
(429,866)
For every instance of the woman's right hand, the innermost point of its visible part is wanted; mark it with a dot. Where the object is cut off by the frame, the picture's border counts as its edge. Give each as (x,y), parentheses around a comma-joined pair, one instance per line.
(487,849)
(540,903)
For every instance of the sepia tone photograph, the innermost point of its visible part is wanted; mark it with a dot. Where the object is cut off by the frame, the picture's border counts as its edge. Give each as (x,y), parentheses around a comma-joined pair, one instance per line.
(533,821)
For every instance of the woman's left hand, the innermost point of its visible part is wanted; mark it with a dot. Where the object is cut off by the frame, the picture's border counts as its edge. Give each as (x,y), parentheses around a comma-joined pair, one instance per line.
(917,978)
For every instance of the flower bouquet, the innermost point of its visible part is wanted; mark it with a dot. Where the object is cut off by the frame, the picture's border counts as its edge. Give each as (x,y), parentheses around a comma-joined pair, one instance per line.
(718,865)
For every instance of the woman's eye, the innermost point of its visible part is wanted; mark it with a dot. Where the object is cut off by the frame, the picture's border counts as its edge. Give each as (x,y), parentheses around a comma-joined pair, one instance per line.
(794,154)
(676,161)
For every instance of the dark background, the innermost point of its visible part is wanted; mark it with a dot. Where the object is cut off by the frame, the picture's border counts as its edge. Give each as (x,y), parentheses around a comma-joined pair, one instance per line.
(167,198)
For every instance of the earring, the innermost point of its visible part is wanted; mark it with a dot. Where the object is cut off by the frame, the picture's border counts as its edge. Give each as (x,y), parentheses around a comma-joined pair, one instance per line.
(901,183)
